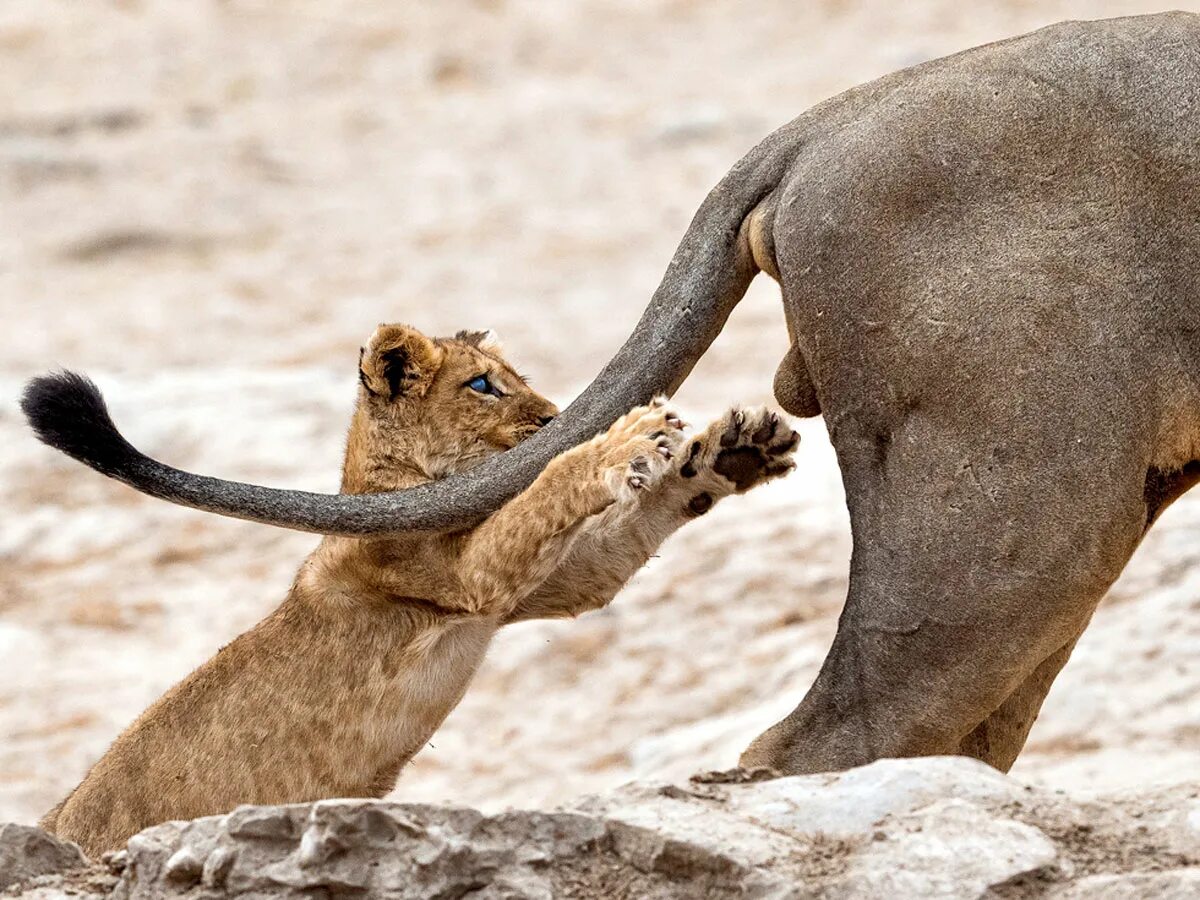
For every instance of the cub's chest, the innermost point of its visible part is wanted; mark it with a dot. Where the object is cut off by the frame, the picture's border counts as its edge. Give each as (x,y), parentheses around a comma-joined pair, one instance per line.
(421,681)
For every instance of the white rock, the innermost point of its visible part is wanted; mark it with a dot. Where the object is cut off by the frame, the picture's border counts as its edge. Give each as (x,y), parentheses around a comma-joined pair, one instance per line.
(944,828)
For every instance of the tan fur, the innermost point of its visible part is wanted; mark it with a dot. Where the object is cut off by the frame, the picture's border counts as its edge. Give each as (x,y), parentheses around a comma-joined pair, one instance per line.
(339,687)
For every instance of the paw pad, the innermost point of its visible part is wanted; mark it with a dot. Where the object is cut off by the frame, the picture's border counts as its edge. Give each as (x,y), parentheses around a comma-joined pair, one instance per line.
(755,447)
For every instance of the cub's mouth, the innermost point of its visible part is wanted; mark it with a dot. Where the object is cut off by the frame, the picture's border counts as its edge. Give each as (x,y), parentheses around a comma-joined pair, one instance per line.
(489,444)
(525,433)
(509,438)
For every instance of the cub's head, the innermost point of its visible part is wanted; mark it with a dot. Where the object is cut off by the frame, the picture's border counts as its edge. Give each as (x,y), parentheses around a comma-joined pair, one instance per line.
(430,407)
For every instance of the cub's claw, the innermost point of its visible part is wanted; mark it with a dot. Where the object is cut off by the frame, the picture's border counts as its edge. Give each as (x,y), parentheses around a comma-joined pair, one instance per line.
(639,447)
(639,473)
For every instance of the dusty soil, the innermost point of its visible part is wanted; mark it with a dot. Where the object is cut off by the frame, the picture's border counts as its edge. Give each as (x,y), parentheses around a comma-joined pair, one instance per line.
(209,205)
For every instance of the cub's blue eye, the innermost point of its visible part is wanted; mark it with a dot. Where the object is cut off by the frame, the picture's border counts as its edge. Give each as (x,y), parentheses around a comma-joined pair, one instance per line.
(483,385)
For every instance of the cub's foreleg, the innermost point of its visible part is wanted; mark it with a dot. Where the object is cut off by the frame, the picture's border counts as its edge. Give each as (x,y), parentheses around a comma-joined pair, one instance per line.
(739,451)
(513,551)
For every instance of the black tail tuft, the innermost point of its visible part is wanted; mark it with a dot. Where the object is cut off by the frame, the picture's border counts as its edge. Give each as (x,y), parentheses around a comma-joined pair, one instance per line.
(67,412)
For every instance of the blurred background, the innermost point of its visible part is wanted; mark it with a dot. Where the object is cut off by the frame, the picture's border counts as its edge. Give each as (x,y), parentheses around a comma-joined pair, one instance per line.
(209,205)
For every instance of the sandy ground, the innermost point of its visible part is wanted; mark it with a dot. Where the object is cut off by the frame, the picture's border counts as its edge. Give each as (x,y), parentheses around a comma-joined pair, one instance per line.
(209,205)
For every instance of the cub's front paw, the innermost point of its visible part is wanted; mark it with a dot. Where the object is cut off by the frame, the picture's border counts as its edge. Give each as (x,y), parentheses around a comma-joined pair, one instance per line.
(747,447)
(638,450)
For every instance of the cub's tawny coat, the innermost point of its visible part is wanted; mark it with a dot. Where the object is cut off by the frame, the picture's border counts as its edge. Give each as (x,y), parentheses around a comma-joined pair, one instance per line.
(335,690)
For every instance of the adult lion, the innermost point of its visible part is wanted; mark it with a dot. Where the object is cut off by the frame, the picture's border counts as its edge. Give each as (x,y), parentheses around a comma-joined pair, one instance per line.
(990,265)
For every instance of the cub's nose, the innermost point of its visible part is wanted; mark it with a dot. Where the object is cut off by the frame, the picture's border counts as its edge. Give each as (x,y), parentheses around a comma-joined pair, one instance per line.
(545,420)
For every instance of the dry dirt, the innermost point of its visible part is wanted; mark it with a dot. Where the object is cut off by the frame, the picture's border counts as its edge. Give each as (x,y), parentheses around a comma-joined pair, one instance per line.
(208,205)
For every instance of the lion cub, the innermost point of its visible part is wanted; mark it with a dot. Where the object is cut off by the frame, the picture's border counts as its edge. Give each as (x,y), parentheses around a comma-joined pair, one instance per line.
(333,692)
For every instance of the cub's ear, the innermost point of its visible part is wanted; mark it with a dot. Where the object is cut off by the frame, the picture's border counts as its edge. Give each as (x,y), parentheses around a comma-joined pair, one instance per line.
(398,361)
(487,341)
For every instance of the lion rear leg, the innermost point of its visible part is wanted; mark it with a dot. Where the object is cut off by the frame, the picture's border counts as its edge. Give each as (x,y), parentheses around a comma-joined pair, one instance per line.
(998,739)
(970,580)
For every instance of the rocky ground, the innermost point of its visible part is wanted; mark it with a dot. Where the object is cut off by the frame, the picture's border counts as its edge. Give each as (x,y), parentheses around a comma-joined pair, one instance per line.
(209,205)
(934,828)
